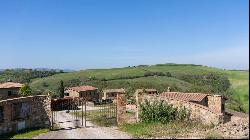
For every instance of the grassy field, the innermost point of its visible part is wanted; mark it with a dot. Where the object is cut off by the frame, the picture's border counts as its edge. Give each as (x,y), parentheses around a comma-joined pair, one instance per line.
(157,130)
(119,75)
(240,88)
(25,134)
(133,77)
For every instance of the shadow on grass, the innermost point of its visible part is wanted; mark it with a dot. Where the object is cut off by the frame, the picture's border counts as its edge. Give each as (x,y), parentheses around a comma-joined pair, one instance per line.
(12,134)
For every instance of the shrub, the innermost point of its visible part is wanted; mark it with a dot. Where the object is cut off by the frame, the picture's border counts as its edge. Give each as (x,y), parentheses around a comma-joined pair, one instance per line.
(159,74)
(148,73)
(168,74)
(161,111)
(25,91)
(45,84)
(212,83)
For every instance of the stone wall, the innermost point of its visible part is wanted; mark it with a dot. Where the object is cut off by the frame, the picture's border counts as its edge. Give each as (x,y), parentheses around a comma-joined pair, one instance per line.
(37,108)
(215,103)
(198,112)
(121,108)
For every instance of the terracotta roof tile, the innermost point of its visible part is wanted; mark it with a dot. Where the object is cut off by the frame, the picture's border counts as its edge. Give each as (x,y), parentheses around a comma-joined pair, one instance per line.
(10,85)
(184,96)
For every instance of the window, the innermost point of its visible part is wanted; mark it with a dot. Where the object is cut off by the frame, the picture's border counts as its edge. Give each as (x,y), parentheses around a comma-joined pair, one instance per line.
(1,114)
(9,93)
(66,94)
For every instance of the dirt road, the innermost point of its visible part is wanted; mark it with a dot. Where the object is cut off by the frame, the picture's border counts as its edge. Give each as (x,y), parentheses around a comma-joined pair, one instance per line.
(72,130)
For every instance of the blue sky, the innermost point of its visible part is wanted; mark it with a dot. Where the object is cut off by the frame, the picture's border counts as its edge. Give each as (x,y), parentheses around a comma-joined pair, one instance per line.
(81,34)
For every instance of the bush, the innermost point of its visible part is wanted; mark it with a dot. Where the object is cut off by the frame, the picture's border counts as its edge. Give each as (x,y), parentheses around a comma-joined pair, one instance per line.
(148,73)
(161,111)
(25,90)
(168,74)
(212,83)
(45,84)
(73,82)
(159,74)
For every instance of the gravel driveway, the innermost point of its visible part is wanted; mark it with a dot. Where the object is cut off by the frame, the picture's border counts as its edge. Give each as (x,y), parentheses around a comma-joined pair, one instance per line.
(71,130)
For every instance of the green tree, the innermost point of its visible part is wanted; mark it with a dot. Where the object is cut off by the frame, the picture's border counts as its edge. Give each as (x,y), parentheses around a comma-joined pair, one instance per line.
(25,91)
(61,89)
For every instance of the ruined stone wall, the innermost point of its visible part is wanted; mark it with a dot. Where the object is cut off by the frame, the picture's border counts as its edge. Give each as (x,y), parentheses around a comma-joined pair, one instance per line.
(215,103)
(198,112)
(39,113)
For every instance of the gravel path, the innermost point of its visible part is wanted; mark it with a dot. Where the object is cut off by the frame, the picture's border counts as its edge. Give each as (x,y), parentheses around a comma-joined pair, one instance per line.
(71,130)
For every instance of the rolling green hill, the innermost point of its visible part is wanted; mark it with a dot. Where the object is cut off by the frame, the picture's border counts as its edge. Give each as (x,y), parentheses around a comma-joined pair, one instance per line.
(180,77)
(240,89)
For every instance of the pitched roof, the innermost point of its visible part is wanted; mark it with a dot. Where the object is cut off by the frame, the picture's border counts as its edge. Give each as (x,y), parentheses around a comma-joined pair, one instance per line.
(184,96)
(114,90)
(10,85)
(83,88)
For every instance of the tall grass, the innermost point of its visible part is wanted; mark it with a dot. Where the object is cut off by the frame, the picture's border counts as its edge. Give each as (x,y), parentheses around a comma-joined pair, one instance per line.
(161,111)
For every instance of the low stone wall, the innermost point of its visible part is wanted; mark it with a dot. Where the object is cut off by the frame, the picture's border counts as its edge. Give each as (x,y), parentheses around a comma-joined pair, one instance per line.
(25,112)
(197,112)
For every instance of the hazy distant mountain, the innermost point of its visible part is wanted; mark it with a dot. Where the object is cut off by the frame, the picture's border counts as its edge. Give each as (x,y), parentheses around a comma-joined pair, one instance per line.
(40,69)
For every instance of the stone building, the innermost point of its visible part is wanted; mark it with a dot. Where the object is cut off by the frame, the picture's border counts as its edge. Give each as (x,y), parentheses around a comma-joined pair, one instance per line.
(213,102)
(24,112)
(84,91)
(9,90)
(111,93)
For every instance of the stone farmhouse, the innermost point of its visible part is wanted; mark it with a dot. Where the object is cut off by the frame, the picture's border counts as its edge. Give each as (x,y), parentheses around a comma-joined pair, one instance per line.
(9,90)
(111,93)
(84,91)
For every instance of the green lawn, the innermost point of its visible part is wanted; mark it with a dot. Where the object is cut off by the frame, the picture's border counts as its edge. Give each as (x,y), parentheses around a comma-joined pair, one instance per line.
(25,134)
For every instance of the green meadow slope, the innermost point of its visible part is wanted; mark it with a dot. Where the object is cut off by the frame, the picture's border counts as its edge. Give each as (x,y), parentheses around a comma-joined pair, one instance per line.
(239,89)
(180,77)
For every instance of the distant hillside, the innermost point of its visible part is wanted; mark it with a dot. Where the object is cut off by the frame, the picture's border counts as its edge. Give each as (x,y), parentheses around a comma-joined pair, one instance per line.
(180,77)
(25,75)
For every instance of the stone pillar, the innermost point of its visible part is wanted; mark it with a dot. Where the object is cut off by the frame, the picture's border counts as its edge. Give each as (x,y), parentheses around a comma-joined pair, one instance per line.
(121,108)
(215,103)
(139,99)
